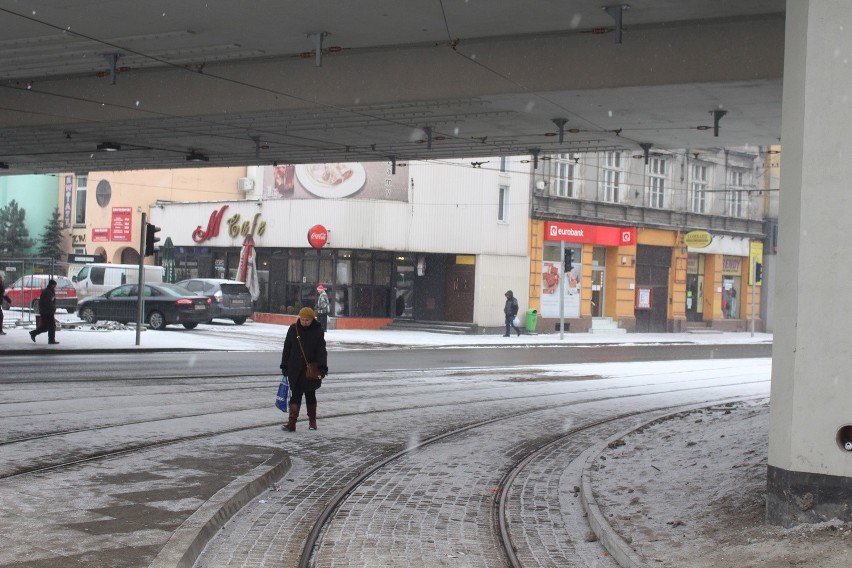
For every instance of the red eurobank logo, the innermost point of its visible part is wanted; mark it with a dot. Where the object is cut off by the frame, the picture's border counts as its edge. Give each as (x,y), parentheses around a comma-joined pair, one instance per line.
(317,236)
(591,234)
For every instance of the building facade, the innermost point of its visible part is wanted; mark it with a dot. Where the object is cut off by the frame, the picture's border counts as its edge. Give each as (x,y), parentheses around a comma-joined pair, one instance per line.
(660,242)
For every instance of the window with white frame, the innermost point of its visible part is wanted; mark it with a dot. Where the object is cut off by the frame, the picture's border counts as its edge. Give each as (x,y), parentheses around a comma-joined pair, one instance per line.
(698,189)
(564,174)
(736,194)
(80,211)
(611,176)
(657,183)
(503,204)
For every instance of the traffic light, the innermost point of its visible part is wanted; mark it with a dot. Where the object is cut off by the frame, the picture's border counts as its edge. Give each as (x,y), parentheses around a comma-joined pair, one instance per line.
(758,273)
(568,261)
(151,238)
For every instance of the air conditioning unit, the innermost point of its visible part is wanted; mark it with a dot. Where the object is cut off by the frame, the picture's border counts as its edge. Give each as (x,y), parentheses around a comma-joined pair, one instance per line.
(245,184)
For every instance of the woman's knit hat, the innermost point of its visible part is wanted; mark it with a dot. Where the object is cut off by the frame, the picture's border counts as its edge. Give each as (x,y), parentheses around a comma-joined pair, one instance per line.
(307,313)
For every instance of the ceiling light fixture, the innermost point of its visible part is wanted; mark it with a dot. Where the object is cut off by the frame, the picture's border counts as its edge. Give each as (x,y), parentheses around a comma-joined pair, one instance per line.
(197,157)
(109,147)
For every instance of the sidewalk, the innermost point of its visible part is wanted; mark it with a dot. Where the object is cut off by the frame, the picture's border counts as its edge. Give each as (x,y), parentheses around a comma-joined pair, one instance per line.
(76,336)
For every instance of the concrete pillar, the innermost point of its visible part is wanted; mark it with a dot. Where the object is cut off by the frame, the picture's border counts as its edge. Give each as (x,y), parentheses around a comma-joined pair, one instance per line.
(810,473)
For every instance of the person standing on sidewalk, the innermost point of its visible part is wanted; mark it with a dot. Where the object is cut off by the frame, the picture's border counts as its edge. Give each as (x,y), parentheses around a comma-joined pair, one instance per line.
(4,299)
(47,311)
(323,306)
(510,310)
(305,343)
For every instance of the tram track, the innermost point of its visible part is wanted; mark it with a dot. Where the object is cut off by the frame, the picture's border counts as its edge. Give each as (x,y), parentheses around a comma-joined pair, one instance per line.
(314,540)
(143,445)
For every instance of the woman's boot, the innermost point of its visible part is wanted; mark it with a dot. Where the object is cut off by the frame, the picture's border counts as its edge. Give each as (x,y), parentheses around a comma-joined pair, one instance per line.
(291,419)
(312,417)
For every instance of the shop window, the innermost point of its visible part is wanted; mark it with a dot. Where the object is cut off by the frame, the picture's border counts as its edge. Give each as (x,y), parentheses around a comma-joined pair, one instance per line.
(363,271)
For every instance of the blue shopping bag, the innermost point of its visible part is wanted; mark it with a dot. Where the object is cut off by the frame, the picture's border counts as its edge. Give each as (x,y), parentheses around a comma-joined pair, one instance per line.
(282,400)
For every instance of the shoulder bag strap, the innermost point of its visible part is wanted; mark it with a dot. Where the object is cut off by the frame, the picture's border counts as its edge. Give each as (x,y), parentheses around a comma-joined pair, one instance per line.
(299,339)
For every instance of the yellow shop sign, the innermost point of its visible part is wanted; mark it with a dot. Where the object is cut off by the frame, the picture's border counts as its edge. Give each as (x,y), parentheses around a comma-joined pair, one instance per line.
(697,239)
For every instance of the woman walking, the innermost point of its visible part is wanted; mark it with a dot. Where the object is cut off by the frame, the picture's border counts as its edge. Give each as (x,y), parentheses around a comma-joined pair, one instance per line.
(305,343)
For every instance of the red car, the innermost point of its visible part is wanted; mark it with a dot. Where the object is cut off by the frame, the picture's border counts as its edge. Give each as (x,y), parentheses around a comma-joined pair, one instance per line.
(26,290)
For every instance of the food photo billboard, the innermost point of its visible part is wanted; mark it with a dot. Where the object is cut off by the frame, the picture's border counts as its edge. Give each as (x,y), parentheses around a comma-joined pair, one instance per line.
(344,180)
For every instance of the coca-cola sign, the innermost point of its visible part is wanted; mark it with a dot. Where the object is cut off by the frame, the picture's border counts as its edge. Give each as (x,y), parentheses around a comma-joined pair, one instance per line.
(317,236)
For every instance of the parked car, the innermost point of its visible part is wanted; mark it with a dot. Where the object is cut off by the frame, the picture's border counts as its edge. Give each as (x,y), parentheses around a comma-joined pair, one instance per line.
(165,304)
(26,290)
(231,298)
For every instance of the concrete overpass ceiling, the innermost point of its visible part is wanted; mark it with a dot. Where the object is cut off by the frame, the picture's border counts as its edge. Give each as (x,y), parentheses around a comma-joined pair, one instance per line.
(239,83)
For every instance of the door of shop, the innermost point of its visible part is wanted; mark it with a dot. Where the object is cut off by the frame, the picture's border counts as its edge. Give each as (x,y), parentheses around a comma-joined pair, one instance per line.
(403,307)
(652,271)
(598,280)
(460,280)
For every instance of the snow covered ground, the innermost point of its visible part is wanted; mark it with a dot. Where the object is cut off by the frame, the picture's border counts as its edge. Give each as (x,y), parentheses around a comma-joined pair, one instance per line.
(224,335)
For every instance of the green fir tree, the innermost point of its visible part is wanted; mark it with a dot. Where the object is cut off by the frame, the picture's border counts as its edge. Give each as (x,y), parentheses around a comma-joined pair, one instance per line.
(51,238)
(14,236)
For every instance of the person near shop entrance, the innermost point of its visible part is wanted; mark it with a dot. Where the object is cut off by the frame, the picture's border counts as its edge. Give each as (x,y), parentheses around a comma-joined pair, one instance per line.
(322,307)
(510,310)
(6,300)
(305,342)
(47,311)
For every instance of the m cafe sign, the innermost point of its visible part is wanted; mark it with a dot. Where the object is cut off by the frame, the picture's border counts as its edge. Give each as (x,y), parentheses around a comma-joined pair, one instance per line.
(237,226)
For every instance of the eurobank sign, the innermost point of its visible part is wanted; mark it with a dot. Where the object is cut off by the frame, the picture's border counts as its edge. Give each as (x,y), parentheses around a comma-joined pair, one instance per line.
(589,234)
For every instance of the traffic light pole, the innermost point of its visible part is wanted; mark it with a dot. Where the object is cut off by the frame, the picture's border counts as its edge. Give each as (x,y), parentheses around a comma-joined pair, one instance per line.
(140,303)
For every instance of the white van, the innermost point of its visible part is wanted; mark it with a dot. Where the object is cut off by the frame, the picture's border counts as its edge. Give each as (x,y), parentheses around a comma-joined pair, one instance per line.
(96,278)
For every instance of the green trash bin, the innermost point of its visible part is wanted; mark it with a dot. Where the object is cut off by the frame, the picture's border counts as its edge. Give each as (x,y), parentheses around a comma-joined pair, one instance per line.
(532,319)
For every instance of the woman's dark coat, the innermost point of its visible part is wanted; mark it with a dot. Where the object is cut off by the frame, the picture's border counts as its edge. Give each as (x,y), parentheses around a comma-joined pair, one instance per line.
(293,364)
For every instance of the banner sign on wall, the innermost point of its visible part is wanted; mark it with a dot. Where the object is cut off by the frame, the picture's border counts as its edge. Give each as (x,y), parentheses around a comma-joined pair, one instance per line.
(551,273)
(66,205)
(589,234)
(100,235)
(122,224)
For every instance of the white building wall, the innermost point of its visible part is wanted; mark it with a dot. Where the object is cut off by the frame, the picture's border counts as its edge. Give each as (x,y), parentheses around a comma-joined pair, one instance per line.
(452,208)
(494,275)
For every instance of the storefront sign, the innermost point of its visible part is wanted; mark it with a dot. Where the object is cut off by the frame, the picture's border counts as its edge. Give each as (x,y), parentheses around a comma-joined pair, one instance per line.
(591,234)
(317,236)
(697,239)
(732,265)
(213,224)
(100,235)
(122,224)
(236,226)
(69,191)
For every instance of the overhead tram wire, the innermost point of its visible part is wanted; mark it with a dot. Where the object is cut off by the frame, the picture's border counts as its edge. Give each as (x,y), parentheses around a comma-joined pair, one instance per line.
(291,96)
(454,44)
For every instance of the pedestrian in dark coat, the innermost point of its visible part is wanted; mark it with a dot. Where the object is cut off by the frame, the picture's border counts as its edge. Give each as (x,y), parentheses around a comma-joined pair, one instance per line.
(510,310)
(47,311)
(308,332)
(5,299)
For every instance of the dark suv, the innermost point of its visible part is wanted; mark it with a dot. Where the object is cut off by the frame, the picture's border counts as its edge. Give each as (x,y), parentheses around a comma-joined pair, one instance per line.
(231,299)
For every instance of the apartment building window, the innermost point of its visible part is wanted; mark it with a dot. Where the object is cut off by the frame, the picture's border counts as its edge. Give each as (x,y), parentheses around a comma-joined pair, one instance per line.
(504,164)
(503,204)
(736,195)
(80,212)
(611,177)
(698,189)
(657,183)
(564,172)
